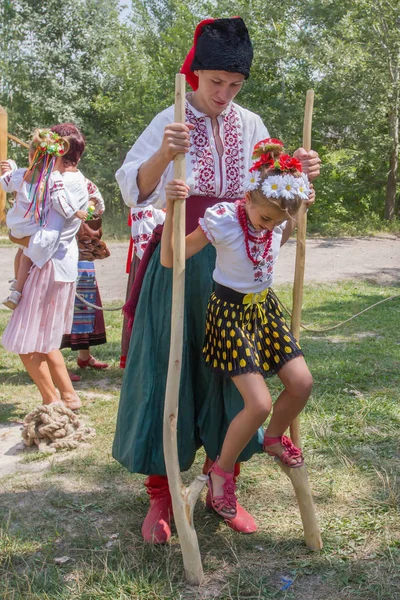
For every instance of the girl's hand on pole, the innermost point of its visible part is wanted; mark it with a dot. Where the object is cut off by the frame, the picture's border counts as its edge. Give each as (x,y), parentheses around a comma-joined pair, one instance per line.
(175,190)
(5,167)
(176,139)
(311,197)
(310,161)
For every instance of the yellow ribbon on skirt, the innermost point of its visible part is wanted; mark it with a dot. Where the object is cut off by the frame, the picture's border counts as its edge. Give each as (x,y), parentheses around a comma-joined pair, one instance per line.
(257,299)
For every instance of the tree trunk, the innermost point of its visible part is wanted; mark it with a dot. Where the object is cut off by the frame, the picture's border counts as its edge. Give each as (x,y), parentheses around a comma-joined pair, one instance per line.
(391,185)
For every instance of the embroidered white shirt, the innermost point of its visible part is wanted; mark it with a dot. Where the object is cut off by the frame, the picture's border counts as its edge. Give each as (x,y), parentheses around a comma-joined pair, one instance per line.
(144,220)
(65,256)
(233,267)
(95,193)
(207,173)
(21,226)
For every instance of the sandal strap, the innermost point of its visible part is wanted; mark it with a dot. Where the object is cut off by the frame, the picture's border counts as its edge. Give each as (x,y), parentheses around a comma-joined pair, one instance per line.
(228,499)
(291,449)
(270,441)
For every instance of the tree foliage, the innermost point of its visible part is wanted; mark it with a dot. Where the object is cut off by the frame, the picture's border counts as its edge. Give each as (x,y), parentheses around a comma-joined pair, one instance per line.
(80,61)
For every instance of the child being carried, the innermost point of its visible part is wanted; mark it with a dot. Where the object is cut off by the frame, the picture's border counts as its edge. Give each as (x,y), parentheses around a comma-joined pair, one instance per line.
(36,189)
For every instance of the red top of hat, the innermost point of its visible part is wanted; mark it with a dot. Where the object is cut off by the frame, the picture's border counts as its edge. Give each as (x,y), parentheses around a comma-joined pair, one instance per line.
(191,78)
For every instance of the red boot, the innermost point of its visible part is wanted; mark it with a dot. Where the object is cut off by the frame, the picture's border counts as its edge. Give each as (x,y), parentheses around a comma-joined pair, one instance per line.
(156,528)
(243,522)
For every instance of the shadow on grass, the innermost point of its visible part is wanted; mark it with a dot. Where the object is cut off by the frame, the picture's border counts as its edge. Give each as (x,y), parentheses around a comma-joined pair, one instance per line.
(98,534)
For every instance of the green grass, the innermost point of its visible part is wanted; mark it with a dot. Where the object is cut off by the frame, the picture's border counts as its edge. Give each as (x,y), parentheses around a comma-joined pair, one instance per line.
(85,506)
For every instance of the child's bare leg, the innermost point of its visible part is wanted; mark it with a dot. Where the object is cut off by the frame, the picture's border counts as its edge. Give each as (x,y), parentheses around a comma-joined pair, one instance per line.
(22,275)
(17,260)
(257,406)
(298,382)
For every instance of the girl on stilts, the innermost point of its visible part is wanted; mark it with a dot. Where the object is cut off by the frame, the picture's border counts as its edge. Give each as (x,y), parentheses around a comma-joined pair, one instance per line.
(246,337)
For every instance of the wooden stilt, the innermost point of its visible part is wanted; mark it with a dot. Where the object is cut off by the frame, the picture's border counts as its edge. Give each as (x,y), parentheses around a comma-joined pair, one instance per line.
(183,498)
(298,476)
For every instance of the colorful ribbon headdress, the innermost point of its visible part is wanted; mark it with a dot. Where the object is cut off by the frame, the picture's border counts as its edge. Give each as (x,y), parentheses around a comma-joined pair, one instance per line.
(47,147)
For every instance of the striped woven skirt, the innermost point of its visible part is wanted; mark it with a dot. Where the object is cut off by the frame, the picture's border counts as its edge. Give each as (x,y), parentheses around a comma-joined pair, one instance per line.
(88,327)
(247,333)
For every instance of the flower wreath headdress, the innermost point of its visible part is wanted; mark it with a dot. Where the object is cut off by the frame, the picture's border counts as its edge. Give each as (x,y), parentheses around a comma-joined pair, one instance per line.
(268,154)
(48,146)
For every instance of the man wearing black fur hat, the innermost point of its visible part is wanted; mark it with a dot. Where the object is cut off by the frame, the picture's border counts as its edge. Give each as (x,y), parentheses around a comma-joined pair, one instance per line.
(218,138)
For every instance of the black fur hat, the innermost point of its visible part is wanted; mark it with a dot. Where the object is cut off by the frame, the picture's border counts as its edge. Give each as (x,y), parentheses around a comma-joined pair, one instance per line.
(220,45)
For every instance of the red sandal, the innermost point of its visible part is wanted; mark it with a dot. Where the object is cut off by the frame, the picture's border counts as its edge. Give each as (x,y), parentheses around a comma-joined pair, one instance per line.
(291,450)
(91,362)
(224,505)
(74,376)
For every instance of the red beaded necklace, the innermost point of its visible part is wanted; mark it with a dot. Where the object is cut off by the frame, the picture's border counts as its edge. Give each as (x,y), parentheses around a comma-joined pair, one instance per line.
(248,237)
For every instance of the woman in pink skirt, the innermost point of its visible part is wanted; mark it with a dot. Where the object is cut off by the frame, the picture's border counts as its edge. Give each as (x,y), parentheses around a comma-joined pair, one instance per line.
(45,311)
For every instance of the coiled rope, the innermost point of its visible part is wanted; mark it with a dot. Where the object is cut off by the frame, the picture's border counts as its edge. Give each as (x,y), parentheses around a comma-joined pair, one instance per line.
(54,427)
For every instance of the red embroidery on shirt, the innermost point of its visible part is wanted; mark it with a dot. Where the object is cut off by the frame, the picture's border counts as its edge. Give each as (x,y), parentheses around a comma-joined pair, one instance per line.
(142,214)
(202,160)
(264,269)
(234,154)
(141,240)
(91,187)
(203,168)
(57,185)
(7,178)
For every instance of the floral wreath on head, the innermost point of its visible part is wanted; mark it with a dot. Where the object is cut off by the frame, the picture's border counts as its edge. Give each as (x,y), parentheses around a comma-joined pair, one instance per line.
(268,154)
(48,146)
(51,143)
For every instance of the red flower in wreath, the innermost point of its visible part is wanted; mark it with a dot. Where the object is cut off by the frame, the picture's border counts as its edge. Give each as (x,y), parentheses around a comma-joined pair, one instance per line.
(264,160)
(268,141)
(289,163)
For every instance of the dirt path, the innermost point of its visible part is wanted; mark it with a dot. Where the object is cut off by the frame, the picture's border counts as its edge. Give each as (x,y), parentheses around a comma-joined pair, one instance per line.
(328,259)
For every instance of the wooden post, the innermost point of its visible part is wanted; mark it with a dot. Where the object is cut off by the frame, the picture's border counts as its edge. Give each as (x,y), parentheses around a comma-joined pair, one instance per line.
(298,284)
(3,156)
(298,476)
(183,498)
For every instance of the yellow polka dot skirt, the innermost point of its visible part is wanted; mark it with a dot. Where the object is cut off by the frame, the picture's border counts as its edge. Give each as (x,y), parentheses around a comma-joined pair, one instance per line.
(245,336)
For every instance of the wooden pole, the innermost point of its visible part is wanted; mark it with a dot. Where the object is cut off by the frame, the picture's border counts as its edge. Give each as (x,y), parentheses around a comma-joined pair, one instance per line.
(298,476)
(17,140)
(301,255)
(3,156)
(183,498)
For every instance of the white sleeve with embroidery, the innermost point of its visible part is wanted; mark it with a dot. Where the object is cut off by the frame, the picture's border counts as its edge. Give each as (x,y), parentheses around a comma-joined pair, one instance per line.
(219,222)
(94,192)
(144,147)
(62,203)
(144,220)
(11,181)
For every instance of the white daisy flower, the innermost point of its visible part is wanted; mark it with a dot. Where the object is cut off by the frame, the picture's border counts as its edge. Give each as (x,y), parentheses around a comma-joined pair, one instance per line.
(303,187)
(289,187)
(271,186)
(251,182)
